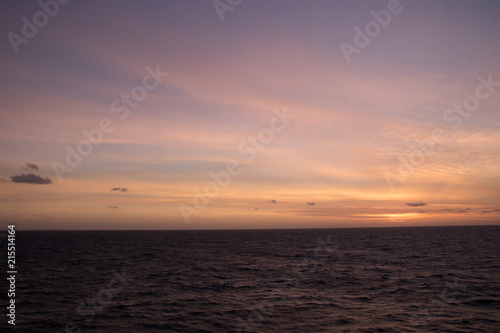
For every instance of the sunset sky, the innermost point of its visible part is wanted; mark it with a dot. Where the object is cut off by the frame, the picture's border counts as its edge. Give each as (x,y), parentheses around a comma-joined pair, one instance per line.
(321,124)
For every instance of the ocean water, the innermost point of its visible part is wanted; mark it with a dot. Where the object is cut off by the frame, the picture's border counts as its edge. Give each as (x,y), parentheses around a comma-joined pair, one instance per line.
(428,279)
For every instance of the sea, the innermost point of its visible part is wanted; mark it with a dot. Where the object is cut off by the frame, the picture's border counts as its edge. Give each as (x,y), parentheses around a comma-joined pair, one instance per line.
(405,279)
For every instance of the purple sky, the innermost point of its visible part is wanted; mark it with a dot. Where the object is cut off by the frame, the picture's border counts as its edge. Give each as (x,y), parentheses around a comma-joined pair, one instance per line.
(408,117)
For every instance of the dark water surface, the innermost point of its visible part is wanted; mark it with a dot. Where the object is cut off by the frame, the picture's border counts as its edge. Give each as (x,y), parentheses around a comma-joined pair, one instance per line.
(437,279)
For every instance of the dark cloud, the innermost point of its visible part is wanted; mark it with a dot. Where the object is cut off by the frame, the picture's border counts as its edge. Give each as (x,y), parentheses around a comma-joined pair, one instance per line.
(30,178)
(462,211)
(490,211)
(310,203)
(273,201)
(111,207)
(416,204)
(421,211)
(31,167)
(444,210)
(120,189)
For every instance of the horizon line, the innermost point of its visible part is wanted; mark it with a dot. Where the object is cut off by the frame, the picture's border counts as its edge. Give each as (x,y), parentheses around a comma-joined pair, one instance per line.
(271,229)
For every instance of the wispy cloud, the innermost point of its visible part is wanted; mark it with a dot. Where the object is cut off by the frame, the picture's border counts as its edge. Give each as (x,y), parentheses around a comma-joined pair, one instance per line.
(31,167)
(353,123)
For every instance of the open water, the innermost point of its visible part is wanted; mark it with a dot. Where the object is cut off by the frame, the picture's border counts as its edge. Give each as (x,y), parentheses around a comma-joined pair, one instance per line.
(435,279)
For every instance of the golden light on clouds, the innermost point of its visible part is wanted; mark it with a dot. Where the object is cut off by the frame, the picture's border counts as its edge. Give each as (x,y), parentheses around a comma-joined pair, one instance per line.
(361,143)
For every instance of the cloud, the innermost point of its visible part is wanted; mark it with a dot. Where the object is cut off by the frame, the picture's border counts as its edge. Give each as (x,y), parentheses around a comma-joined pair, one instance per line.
(120,189)
(444,210)
(462,211)
(421,211)
(416,204)
(111,207)
(30,178)
(31,167)
(490,211)
(310,203)
(273,201)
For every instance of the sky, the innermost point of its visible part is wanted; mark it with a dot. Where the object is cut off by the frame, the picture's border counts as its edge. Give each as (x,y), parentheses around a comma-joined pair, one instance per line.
(239,114)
